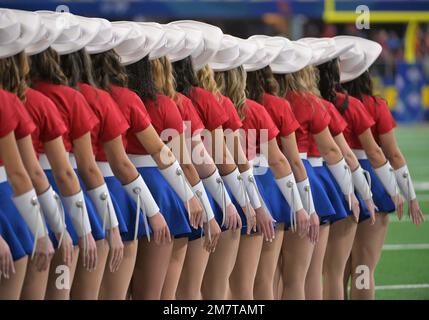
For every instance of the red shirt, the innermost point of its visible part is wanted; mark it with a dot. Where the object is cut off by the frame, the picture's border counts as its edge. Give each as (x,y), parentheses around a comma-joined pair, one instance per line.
(210,111)
(8,115)
(311,115)
(135,113)
(280,111)
(44,113)
(189,114)
(379,111)
(112,123)
(74,110)
(233,123)
(258,128)
(336,126)
(357,118)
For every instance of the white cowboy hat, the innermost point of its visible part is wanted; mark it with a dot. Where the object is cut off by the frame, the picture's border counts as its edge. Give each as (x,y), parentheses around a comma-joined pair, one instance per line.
(273,45)
(156,37)
(359,58)
(75,35)
(193,40)
(228,51)
(17,30)
(292,58)
(49,31)
(259,58)
(175,41)
(108,37)
(212,37)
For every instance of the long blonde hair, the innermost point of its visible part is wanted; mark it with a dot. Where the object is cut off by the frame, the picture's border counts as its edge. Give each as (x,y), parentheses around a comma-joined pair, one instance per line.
(232,83)
(206,80)
(163,77)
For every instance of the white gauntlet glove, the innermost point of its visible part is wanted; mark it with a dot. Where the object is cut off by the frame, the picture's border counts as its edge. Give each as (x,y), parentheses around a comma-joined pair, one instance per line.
(100,197)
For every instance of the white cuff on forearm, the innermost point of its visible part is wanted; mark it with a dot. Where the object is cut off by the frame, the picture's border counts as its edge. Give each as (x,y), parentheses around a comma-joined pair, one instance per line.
(76,207)
(403,178)
(342,175)
(139,188)
(361,184)
(215,186)
(177,180)
(289,190)
(102,200)
(387,177)
(201,194)
(306,196)
(252,188)
(29,208)
(233,180)
(52,210)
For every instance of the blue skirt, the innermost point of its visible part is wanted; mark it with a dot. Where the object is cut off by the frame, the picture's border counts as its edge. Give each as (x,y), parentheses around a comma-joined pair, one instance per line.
(272,196)
(322,203)
(381,198)
(169,203)
(11,214)
(96,223)
(334,193)
(9,235)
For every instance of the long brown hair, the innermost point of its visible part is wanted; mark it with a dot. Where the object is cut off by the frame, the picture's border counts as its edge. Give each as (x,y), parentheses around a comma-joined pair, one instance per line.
(259,82)
(46,66)
(232,83)
(77,66)
(10,79)
(107,70)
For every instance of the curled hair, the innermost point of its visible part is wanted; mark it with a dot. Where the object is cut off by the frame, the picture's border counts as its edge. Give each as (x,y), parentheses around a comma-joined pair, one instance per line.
(205,77)
(361,86)
(46,66)
(259,82)
(107,70)
(140,79)
(232,83)
(163,77)
(77,67)
(329,83)
(23,68)
(185,76)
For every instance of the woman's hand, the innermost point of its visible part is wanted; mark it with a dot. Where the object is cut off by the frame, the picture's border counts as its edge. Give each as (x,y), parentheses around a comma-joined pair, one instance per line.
(161,232)
(313,232)
(116,249)
(416,213)
(355,207)
(43,254)
(369,204)
(302,222)
(6,260)
(90,256)
(66,248)
(265,224)
(232,219)
(195,213)
(210,243)
(250,219)
(398,200)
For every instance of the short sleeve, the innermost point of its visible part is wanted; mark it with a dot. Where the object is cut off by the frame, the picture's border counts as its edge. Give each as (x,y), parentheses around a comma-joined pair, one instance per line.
(337,124)
(361,120)
(52,125)
(385,121)
(266,123)
(83,119)
(192,116)
(210,111)
(8,117)
(113,123)
(320,119)
(139,117)
(288,122)
(25,125)
(233,123)
(171,118)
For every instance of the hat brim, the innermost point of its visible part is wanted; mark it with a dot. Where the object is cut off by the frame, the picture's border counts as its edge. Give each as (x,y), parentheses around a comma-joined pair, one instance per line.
(119,36)
(52,32)
(247,51)
(89,30)
(302,58)
(193,38)
(372,51)
(30,27)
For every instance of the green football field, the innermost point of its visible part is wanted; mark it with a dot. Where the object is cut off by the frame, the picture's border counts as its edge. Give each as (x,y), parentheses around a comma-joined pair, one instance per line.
(403,271)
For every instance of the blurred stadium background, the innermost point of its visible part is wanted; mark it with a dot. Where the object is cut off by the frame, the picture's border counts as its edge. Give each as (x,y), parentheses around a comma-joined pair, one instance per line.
(401,74)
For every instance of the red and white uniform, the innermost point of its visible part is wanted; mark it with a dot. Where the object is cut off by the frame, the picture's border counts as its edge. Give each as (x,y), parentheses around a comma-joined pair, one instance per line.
(234,122)
(189,114)
(112,123)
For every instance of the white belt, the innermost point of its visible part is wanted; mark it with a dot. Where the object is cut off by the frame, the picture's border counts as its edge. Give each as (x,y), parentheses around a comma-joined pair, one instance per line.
(105,168)
(3,177)
(303,155)
(260,161)
(316,161)
(359,153)
(142,160)
(73,161)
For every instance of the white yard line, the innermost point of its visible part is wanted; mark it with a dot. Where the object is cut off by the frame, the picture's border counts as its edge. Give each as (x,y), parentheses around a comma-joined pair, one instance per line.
(421,185)
(403,286)
(394,218)
(408,246)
